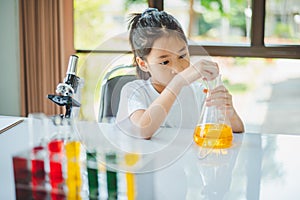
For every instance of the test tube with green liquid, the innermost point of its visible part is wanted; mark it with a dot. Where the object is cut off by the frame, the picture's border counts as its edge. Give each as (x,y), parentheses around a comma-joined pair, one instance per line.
(92,172)
(111,176)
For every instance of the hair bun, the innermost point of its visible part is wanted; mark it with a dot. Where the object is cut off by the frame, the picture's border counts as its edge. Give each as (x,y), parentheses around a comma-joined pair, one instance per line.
(149,11)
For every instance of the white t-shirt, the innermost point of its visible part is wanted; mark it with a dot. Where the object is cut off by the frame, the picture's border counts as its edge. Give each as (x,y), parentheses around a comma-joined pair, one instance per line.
(185,112)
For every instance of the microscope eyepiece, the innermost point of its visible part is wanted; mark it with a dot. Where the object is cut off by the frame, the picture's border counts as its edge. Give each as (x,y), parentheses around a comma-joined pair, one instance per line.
(72,65)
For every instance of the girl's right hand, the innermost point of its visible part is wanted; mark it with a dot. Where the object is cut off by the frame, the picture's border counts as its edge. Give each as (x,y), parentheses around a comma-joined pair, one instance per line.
(205,69)
(208,69)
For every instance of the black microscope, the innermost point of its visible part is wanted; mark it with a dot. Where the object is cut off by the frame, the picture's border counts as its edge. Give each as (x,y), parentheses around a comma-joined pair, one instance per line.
(65,92)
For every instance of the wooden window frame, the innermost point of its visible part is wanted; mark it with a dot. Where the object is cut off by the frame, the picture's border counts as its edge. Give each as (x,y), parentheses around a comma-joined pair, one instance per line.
(256,48)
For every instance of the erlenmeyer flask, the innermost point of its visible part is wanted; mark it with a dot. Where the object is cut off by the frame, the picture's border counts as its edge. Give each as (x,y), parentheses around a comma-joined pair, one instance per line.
(213,129)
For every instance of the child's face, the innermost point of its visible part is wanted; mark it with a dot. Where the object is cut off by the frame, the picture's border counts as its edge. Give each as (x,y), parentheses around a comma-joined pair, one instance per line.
(169,56)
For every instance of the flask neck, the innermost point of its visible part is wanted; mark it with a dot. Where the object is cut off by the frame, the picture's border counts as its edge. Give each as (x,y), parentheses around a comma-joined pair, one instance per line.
(212,84)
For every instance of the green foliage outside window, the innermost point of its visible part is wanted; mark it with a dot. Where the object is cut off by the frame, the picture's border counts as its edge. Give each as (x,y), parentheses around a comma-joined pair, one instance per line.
(216,11)
(88,22)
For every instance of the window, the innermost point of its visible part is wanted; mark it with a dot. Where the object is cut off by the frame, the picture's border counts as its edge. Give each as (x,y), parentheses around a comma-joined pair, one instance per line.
(255,44)
(223,28)
(214,22)
(282,22)
(96,21)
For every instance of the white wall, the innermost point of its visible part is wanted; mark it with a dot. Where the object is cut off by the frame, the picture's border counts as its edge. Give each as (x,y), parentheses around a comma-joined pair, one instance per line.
(9,58)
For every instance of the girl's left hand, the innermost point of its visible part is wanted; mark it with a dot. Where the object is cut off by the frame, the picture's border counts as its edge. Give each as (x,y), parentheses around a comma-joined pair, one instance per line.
(222,99)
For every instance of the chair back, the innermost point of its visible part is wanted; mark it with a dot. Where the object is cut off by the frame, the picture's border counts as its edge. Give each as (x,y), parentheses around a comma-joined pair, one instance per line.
(110,91)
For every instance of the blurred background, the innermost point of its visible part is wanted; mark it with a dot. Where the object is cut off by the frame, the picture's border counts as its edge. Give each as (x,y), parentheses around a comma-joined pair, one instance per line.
(255,42)
(264,89)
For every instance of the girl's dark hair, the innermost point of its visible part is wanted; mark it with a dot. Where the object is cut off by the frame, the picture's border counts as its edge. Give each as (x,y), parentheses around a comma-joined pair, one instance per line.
(144,28)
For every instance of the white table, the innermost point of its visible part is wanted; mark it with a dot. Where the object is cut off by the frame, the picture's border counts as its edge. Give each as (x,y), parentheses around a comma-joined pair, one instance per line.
(258,166)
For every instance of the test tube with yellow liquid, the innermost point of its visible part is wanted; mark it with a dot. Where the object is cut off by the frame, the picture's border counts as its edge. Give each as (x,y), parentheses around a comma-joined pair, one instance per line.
(213,129)
(131,159)
(74,170)
(73,180)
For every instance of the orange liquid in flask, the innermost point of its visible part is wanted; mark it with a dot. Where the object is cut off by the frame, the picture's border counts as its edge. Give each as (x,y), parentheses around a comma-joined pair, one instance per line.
(213,135)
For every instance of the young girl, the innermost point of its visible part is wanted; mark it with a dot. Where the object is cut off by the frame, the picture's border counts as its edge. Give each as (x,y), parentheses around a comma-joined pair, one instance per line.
(167,93)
